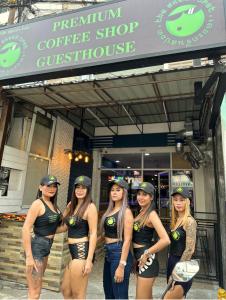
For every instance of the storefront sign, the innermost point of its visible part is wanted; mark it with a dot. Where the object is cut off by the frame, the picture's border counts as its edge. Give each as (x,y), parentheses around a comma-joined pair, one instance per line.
(128,30)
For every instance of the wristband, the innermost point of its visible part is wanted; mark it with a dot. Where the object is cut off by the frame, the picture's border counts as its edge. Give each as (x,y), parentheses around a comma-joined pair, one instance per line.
(122,263)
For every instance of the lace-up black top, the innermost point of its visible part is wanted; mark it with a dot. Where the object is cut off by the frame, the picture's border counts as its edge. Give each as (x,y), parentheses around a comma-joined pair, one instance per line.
(47,223)
(178,241)
(77,227)
(110,226)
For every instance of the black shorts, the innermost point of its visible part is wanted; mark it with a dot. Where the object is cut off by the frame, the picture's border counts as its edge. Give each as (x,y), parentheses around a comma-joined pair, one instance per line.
(172,260)
(151,268)
(79,250)
(40,247)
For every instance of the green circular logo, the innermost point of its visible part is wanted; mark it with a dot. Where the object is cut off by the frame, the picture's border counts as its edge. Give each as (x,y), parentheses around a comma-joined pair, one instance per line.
(111,221)
(136,226)
(11,53)
(72,221)
(185,20)
(176,235)
(185,23)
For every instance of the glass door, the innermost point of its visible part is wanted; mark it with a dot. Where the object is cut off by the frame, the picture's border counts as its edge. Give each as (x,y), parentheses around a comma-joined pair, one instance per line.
(164,194)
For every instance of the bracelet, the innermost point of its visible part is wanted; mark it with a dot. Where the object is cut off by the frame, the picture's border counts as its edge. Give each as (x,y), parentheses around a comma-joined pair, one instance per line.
(122,263)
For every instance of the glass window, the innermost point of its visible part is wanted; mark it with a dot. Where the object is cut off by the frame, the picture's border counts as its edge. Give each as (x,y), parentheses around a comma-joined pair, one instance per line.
(133,177)
(156,160)
(20,127)
(33,178)
(42,135)
(4,181)
(122,161)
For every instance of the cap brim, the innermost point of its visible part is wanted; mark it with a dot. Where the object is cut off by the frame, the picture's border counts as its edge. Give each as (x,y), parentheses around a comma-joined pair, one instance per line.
(144,190)
(53,182)
(178,193)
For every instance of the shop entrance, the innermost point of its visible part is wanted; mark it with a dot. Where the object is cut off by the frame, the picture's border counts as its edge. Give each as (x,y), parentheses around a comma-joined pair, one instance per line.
(164,194)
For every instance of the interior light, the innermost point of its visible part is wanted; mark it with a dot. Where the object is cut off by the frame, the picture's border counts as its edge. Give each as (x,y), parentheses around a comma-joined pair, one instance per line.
(86,159)
(146,154)
(117,161)
(70,156)
(76,158)
(128,167)
(80,156)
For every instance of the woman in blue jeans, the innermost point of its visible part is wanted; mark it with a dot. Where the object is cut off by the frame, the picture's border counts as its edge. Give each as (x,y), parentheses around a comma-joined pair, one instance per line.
(117,227)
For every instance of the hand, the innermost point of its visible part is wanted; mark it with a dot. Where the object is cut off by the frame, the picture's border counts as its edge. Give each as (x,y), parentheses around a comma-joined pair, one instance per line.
(173,285)
(142,260)
(30,265)
(87,268)
(119,274)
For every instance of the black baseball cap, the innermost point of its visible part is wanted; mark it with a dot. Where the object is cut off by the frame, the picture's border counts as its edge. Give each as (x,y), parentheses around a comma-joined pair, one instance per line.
(183,191)
(120,182)
(83,180)
(48,180)
(147,187)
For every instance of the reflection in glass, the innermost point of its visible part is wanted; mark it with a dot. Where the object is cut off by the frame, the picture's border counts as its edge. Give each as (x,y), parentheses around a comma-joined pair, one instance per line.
(133,177)
(157,161)
(121,161)
(4,180)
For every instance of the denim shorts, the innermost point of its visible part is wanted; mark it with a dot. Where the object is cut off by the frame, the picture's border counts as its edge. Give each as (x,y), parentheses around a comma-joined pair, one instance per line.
(40,247)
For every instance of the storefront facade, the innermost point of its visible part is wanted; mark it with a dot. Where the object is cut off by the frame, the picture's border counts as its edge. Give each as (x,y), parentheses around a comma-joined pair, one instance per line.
(132,118)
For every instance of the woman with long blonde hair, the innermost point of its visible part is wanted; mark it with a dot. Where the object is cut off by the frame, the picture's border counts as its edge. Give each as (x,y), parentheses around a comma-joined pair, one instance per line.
(183,239)
(117,226)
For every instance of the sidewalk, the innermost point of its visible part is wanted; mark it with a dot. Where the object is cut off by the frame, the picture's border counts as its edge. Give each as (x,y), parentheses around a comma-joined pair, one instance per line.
(199,290)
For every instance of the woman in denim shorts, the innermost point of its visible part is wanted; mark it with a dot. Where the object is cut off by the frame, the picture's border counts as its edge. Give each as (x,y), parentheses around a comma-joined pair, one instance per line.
(43,217)
(117,225)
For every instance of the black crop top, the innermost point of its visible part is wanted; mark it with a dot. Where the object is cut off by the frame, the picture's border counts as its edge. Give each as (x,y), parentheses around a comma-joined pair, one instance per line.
(142,234)
(178,241)
(77,227)
(110,226)
(47,223)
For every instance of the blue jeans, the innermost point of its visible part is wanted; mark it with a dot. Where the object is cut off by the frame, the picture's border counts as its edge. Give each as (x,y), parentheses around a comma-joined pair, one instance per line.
(113,290)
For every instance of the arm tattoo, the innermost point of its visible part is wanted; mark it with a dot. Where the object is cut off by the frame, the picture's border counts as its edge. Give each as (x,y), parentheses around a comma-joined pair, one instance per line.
(190,229)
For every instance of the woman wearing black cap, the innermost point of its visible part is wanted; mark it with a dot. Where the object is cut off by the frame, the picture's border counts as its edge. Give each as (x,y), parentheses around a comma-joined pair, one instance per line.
(81,222)
(183,239)
(44,217)
(145,249)
(117,226)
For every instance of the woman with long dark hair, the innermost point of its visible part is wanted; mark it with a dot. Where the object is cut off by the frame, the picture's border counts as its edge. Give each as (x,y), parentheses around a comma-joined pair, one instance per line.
(116,227)
(146,223)
(80,219)
(43,217)
(183,239)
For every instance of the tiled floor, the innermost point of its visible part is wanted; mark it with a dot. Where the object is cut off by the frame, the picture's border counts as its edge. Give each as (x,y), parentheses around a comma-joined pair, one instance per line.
(200,289)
